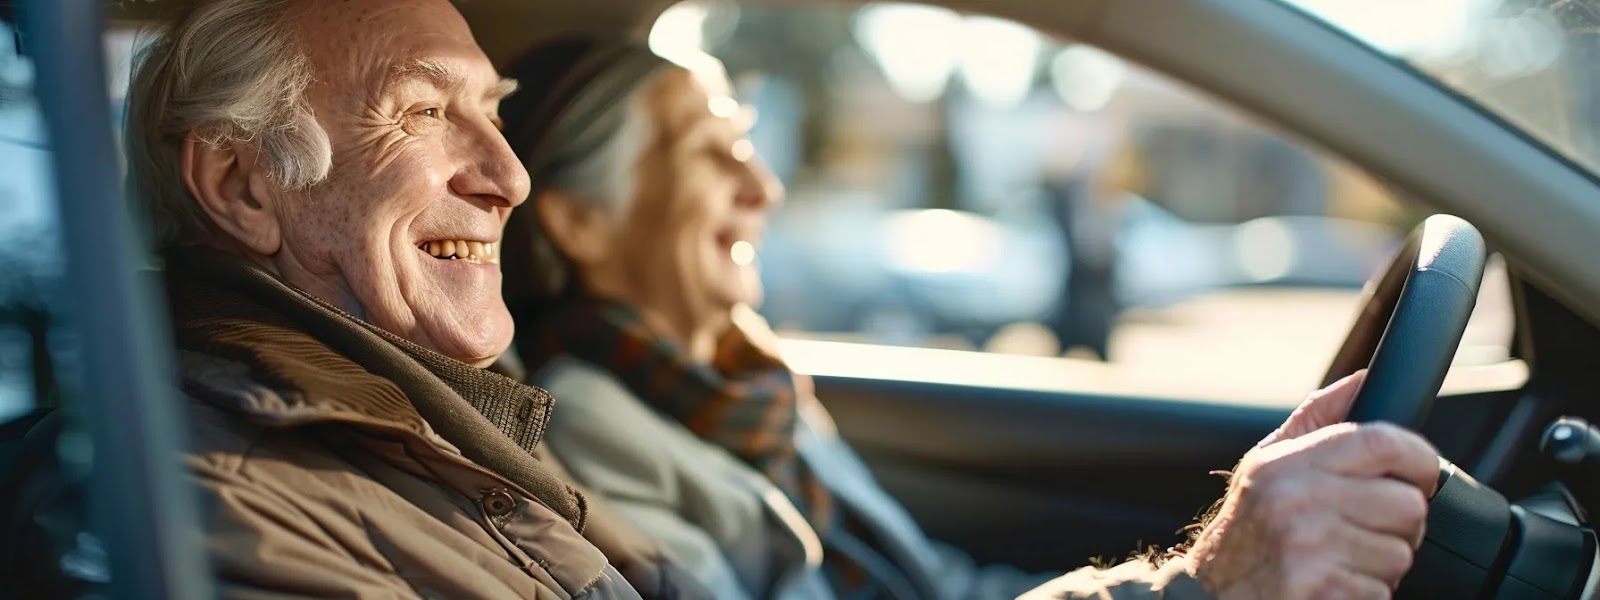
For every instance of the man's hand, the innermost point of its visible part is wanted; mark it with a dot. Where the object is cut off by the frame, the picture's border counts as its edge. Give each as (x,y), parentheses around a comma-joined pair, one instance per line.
(1320,508)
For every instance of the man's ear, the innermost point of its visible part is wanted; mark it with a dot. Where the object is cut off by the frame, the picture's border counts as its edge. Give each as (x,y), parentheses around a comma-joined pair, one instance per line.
(234,191)
(581,231)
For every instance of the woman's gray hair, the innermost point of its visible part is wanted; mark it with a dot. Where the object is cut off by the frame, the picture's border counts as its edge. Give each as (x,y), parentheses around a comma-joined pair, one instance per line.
(228,72)
(593,168)
(603,175)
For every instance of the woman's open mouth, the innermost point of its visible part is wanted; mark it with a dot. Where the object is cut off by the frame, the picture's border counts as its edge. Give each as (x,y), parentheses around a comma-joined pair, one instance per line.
(469,251)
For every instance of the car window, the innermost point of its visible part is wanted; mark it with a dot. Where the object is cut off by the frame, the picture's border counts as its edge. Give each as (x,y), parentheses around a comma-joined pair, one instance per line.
(959,182)
(1529,61)
(36,347)
(33,261)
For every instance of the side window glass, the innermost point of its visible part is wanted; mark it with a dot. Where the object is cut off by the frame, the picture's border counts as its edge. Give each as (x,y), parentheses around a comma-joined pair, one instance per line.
(30,320)
(36,349)
(962,182)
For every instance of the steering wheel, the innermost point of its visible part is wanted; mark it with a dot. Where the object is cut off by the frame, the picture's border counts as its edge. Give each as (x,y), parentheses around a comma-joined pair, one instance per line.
(1477,543)
(1412,322)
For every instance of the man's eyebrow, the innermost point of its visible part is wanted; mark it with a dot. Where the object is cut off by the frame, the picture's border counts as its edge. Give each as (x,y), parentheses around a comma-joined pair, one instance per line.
(505,87)
(439,74)
(444,77)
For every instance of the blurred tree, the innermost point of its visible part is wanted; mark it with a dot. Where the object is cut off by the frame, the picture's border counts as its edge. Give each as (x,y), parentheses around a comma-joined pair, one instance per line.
(12,93)
(943,170)
(1581,20)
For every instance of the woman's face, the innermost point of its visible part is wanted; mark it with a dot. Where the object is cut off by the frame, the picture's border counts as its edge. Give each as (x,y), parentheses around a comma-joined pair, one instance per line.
(685,243)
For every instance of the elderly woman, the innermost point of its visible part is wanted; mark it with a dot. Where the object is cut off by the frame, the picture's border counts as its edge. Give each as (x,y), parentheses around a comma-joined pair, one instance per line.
(626,275)
(625,280)
(622,281)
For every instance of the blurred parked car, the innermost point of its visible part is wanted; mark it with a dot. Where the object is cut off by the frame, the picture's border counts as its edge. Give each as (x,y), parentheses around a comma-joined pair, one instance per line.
(902,276)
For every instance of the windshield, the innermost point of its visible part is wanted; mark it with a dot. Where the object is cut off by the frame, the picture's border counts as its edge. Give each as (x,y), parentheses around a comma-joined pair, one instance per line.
(1529,61)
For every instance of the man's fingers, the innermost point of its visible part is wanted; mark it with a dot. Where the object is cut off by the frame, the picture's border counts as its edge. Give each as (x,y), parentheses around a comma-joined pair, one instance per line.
(1331,404)
(1384,506)
(1352,586)
(1370,450)
(1384,557)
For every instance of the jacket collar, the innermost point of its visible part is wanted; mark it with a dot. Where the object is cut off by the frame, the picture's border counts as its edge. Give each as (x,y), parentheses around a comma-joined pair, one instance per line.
(326,365)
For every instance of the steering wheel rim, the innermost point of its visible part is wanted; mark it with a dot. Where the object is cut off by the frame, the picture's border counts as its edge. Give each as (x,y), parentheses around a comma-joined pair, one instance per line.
(1412,322)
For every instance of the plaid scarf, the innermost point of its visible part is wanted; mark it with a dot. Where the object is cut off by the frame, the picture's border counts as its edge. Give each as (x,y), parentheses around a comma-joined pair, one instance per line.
(745,402)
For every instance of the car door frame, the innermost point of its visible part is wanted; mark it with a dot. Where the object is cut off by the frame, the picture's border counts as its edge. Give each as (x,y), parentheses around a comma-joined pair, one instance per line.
(141,508)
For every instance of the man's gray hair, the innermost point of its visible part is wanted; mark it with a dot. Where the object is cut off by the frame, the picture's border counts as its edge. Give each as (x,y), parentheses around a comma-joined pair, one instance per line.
(227,72)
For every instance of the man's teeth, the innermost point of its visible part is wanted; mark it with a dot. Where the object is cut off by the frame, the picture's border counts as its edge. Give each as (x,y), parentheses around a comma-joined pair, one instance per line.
(462,250)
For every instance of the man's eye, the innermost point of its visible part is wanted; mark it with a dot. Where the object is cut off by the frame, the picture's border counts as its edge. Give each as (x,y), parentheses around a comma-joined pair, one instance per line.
(422,119)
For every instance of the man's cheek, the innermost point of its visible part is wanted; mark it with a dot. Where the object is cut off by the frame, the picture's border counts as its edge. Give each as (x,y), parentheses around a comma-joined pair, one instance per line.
(384,153)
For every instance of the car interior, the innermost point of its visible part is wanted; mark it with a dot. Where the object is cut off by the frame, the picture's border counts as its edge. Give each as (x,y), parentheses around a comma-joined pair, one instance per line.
(1048,478)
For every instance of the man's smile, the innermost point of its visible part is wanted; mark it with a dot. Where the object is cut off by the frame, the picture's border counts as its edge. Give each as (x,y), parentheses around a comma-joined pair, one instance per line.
(465,250)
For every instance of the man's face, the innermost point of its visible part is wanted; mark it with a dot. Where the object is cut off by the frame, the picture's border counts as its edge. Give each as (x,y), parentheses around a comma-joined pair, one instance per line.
(405,233)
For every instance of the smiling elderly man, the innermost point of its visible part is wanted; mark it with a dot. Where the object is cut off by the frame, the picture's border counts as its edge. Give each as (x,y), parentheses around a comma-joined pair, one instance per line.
(329,186)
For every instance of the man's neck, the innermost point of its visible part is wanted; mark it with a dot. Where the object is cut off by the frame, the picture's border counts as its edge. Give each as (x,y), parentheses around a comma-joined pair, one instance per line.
(335,295)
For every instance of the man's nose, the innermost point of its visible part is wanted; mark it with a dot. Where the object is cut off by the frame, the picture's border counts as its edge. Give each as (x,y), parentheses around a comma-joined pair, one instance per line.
(489,170)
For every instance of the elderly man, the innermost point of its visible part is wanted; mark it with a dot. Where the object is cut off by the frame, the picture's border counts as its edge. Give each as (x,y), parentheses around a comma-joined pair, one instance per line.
(329,186)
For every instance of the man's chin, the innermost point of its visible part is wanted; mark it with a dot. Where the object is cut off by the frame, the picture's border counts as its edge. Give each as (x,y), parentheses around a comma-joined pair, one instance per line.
(477,342)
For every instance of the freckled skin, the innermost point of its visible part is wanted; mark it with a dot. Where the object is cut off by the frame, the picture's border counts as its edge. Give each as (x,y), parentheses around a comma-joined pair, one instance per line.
(411,163)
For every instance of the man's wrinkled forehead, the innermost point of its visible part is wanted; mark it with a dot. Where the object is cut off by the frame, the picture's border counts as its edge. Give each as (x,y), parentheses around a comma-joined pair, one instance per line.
(372,40)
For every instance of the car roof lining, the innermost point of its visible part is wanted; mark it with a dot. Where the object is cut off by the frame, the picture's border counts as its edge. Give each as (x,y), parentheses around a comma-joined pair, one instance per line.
(504,28)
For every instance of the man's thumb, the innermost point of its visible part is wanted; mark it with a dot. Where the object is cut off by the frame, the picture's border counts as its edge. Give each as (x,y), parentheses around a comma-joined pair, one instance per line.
(1321,408)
